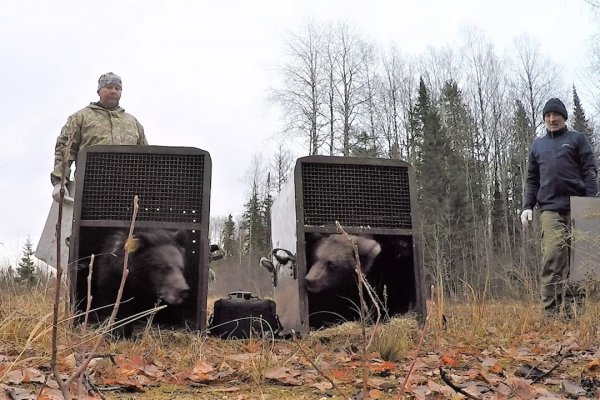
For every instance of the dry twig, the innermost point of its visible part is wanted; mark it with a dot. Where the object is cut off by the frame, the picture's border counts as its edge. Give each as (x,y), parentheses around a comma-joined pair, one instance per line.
(336,387)
(412,365)
(456,388)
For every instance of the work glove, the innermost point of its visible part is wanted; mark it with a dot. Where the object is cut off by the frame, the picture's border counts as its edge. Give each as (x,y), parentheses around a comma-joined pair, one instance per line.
(56,194)
(526,216)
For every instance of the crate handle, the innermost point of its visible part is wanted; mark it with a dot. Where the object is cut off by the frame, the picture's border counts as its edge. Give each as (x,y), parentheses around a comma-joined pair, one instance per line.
(240,294)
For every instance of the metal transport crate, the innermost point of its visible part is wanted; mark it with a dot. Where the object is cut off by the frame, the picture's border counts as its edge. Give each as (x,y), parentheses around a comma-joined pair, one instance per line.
(585,242)
(368,197)
(173,187)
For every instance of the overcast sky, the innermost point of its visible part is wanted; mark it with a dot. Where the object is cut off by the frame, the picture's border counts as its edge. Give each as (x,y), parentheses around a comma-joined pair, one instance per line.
(197,73)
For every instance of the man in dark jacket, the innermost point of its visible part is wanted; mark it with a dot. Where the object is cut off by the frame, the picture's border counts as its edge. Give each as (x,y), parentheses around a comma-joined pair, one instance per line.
(561,164)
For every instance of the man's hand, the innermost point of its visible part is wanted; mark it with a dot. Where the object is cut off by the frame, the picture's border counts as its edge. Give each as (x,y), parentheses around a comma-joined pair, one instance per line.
(56,194)
(526,216)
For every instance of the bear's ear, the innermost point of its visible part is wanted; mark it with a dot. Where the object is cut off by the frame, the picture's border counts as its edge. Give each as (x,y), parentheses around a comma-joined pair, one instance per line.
(182,237)
(138,242)
(368,249)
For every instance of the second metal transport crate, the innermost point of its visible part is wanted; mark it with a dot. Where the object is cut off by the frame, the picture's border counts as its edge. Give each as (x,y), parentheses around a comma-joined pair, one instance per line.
(373,197)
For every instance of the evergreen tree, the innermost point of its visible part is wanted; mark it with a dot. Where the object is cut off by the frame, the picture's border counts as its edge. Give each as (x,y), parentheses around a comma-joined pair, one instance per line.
(523,134)
(253,223)
(26,269)
(267,203)
(365,145)
(580,122)
(228,238)
(431,162)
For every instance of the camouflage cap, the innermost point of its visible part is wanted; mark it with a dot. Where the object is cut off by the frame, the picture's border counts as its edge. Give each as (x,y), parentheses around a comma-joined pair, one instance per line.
(109,78)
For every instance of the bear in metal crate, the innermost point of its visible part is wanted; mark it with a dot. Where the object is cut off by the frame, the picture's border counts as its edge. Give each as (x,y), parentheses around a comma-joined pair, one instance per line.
(156,265)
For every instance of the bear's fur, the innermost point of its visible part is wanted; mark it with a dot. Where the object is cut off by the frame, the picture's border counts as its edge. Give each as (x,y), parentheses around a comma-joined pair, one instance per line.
(335,262)
(156,272)
(331,281)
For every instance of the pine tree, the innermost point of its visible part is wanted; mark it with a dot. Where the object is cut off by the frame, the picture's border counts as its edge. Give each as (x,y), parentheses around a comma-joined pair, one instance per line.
(431,162)
(580,122)
(523,134)
(228,238)
(253,223)
(267,203)
(365,145)
(26,269)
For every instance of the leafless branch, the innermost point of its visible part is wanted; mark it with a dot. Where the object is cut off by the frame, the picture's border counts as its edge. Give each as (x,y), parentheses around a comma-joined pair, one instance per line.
(455,387)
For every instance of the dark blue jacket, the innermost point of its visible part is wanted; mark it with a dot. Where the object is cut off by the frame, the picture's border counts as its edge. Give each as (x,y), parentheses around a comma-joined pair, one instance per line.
(561,164)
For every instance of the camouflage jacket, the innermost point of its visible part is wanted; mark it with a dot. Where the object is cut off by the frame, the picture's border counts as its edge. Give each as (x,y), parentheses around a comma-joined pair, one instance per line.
(94,125)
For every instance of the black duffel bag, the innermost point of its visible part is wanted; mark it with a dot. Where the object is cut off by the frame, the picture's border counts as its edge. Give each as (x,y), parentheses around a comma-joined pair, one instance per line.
(242,315)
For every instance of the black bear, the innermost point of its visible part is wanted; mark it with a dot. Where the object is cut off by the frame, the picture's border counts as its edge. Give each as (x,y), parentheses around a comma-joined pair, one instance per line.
(334,261)
(156,266)
(331,281)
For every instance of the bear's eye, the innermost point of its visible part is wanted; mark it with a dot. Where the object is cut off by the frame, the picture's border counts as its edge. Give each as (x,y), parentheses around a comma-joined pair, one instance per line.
(330,265)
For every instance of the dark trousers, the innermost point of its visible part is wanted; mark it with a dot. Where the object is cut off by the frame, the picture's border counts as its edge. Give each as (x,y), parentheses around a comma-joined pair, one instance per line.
(555,290)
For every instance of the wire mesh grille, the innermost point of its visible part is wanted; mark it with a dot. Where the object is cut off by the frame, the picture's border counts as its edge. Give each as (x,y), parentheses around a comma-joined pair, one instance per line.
(366,196)
(169,186)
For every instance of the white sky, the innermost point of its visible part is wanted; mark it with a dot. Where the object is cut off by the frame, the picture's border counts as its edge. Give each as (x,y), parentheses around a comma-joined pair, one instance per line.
(197,73)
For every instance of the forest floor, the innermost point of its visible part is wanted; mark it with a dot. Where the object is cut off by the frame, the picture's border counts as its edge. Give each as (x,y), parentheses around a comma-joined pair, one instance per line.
(481,350)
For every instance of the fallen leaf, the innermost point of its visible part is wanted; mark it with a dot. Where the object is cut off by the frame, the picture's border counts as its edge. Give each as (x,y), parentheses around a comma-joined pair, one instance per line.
(14,377)
(496,369)
(342,374)
(529,372)
(572,388)
(488,362)
(202,368)
(449,360)
(323,386)
(593,365)
(69,361)
(375,394)
(522,388)
(203,372)
(284,375)
(384,366)
(152,371)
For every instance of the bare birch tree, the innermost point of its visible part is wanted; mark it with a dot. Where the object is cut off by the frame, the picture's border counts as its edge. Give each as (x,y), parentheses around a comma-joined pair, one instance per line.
(302,95)
(281,163)
(349,71)
(536,78)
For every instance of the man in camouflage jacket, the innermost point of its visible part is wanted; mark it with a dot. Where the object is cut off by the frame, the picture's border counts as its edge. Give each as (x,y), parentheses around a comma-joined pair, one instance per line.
(102,122)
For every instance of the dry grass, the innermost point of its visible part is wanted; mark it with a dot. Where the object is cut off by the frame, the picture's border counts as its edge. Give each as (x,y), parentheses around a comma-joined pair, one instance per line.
(26,318)
(25,324)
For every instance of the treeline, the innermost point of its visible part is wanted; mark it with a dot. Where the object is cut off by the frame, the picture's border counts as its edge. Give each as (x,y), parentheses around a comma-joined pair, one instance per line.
(464,117)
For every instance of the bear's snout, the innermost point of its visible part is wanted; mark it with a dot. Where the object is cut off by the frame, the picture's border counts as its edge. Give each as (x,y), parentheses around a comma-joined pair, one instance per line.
(175,295)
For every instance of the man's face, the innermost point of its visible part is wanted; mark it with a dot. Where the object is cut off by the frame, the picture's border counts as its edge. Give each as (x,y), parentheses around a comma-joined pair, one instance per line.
(554,121)
(110,95)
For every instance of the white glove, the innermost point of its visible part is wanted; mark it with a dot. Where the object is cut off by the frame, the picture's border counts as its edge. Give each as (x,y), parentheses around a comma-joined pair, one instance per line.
(56,194)
(526,216)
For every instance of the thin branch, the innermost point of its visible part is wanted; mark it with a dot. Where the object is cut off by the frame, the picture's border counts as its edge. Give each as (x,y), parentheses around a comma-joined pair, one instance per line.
(113,315)
(64,388)
(455,387)
(546,374)
(412,365)
(336,387)
(362,310)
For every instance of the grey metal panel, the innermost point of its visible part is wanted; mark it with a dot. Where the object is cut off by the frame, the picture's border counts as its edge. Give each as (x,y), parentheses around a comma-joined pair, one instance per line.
(283,236)
(46,248)
(585,250)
